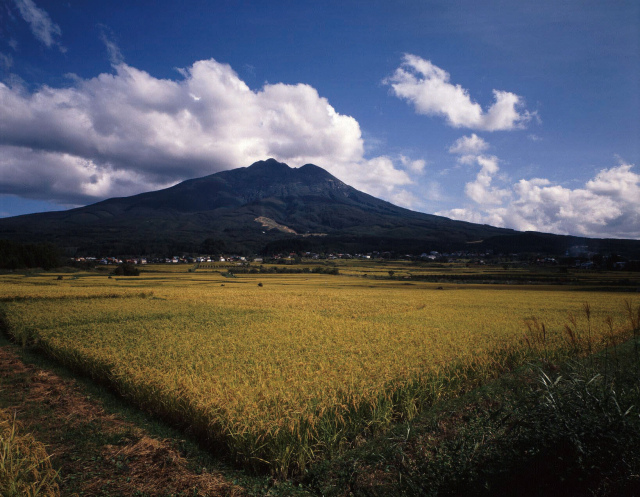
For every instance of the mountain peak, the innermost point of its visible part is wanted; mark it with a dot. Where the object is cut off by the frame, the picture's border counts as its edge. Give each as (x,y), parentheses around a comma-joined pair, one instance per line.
(270,164)
(225,206)
(314,171)
(270,172)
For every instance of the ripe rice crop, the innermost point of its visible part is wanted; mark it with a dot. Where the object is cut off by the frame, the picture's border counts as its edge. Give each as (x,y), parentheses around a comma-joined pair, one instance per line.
(25,468)
(282,374)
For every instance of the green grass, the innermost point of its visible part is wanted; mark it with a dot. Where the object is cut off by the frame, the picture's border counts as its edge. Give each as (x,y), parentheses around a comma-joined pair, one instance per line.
(543,430)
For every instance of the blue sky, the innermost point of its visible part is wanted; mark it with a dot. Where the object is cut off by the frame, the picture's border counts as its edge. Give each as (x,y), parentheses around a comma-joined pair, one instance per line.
(517,114)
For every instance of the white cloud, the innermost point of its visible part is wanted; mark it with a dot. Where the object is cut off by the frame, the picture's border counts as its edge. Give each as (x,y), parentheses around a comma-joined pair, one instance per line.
(40,23)
(66,179)
(619,183)
(381,179)
(404,199)
(427,87)
(469,145)
(607,206)
(127,132)
(417,166)
(481,191)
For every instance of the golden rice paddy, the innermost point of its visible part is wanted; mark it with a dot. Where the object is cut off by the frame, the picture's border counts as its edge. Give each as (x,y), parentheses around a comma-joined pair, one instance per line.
(282,374)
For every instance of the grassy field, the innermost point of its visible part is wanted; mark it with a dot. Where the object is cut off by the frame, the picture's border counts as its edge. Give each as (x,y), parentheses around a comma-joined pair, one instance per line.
(282,374)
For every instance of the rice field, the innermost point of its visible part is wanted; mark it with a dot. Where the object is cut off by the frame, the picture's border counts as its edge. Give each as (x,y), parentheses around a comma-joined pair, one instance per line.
(25,468)
(283,374)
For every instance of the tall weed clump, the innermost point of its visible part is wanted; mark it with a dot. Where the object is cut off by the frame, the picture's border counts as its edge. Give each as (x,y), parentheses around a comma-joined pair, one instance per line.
(581,423)
(588,421)
(580,336)
(578,431)
(554,428)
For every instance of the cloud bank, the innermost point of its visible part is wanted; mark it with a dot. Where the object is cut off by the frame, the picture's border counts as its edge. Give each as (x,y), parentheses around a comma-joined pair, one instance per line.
(428,88)
(127,132)
(607,206)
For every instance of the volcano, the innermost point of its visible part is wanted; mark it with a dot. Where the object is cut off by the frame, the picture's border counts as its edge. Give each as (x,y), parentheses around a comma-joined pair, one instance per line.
(270,207)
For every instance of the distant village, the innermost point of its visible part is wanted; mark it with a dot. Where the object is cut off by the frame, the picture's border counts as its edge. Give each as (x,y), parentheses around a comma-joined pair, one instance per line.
(577,257)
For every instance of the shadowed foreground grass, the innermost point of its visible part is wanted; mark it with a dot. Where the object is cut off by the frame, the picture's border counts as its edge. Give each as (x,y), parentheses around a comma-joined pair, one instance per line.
(570,430)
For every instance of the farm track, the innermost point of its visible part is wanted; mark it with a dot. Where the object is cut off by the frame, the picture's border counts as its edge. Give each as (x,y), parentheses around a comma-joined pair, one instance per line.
(97,453)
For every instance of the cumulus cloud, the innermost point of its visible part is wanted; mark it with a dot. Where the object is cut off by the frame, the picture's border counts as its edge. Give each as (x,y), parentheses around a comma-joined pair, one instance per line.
(469,150)
(481,190)
(469,145)
(607,206)
(428,88)
(125,132)
(64,178)
(40,23)
(405,199)
(382,178)
(417,166)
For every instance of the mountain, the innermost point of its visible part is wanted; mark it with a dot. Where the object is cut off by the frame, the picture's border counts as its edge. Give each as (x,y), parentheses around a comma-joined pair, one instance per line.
(270,207)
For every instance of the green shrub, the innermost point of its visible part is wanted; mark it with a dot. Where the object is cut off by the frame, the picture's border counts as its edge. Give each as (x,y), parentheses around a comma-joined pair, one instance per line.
(126,270)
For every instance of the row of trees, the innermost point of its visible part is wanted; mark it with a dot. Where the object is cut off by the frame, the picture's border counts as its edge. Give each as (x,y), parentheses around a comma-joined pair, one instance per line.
(15,255)
(282,270)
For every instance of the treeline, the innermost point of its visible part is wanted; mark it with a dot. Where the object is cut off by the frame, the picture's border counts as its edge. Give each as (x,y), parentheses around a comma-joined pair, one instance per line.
(281,270)
(14,255)
(353,244)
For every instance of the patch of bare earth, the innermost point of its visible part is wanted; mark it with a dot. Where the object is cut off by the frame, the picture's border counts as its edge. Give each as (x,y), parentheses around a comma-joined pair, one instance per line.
(97,453)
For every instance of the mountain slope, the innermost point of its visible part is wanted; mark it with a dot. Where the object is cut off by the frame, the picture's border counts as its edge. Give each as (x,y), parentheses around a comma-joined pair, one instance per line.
(266,206)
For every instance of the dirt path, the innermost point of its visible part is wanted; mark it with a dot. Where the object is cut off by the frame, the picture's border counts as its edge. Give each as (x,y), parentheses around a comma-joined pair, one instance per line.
(98,453)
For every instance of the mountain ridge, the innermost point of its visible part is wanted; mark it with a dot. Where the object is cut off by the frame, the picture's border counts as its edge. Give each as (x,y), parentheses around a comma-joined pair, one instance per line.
(307,200)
